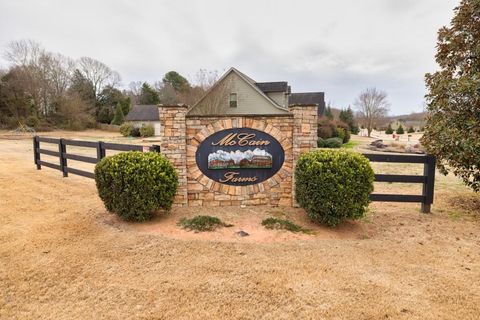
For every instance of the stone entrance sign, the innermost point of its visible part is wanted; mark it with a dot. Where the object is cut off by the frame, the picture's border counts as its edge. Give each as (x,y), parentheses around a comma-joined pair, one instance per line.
(239,156)
(237,159)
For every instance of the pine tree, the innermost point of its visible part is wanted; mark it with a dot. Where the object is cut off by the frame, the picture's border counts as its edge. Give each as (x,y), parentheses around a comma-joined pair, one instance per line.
(148,95)
(389,129)
(346,115)
(400,130)
(119,118)
(177,81)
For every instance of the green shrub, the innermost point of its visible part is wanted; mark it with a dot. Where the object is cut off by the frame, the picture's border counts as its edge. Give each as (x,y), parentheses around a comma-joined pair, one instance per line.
(282,224)
(400,130)
(333,185)
(320,143)
(202,223)
(126,129)
(341,133)
(135,132)
(329,143)
(147,131)
(411,130)
(389,130)
(333,143)
(346,134)
(134,184)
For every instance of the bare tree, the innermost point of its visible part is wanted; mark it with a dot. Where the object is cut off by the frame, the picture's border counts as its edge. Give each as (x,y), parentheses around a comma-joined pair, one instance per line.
(98,73)
(205,79)
(372,105)
(216,99)
(23,52)
(43,75)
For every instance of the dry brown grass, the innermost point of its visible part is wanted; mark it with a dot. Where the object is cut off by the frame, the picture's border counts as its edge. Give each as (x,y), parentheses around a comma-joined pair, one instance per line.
(63,257)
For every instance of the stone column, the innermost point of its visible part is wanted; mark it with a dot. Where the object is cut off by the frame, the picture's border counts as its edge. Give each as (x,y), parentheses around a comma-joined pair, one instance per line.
(304,134)
(173,144)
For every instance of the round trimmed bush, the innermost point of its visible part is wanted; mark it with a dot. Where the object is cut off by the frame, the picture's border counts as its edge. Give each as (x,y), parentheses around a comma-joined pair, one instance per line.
(126,129)
(134,184)
(333,185)
(147,131)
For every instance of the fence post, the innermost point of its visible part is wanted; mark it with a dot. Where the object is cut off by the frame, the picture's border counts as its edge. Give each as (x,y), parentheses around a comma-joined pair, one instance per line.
(428,186)
(155,148)
(63,160)
(100,151)
(36,154)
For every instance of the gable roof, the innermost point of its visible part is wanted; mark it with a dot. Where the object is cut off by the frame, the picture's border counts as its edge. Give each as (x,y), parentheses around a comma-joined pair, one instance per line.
(245,78)
(308,98)
(277,86)
(143,113)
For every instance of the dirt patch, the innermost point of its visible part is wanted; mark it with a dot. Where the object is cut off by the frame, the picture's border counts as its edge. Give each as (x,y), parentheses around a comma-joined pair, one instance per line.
(62,256)
(243,219)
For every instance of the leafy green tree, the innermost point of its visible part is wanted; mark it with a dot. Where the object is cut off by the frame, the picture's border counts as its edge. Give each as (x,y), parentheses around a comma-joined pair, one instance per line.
(119,118)
(110,96)
(453,100)
(148,95)
(410,130)
(400,130)
(177,81)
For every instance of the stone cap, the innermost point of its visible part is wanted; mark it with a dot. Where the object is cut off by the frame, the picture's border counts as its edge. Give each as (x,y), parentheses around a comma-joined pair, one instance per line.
(303,105)
(178,105)
(239,115)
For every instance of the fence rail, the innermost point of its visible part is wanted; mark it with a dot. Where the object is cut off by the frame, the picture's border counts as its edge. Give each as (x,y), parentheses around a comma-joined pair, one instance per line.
(64,156)
(427,179)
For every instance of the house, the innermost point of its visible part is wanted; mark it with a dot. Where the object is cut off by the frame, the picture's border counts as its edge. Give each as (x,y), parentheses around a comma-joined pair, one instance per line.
(235,93)
(142,115)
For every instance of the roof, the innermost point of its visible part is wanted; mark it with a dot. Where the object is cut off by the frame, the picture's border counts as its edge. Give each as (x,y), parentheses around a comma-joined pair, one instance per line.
(143,113)
(278,86)
(308,98)
(248,80)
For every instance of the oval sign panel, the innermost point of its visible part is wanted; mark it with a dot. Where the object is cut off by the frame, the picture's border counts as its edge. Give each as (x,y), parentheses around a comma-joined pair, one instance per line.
(240,156)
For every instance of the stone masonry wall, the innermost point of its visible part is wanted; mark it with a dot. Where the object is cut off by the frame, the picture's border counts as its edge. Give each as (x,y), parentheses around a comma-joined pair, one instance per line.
(305,126)
(173,146)
(181,135)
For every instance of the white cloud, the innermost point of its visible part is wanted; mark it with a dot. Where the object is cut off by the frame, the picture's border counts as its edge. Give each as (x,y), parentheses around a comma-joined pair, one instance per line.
(339,47)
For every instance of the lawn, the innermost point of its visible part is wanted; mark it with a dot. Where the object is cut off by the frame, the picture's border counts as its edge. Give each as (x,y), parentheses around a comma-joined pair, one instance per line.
(62,256)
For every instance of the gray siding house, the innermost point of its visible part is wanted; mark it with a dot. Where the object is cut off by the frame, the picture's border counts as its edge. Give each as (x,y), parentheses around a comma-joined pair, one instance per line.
(236,93)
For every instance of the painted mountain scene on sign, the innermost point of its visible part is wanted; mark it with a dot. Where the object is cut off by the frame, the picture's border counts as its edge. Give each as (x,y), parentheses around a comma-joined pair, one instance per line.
(251,159)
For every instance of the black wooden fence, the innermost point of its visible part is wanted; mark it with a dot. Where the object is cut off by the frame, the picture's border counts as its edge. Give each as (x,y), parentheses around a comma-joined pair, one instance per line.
(427,179)
(64,156)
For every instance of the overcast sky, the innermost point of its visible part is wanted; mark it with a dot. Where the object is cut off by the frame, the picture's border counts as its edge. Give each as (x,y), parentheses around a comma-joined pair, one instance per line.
(339,47)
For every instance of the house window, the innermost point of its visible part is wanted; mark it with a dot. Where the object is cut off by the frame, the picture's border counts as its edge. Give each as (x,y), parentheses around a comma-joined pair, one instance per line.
(233,100)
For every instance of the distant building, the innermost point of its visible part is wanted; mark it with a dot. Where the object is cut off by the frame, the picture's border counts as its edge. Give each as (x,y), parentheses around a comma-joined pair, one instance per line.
(142,115)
